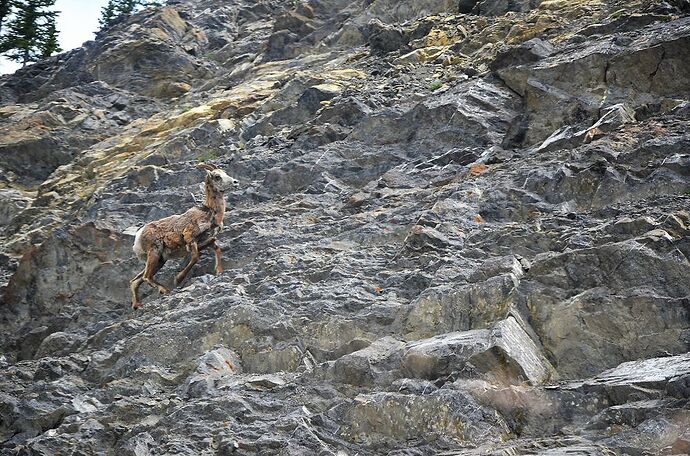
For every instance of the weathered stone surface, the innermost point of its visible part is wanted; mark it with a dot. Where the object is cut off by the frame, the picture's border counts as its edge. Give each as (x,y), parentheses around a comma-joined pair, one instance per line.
(213,366)
(375,364)
(661,374)
(439,201)
(445,416)
(401,11)
(530,51)
(458,308)
(144,56)
(12,202)
(581,338)
(645,69)
(436,123)
(497,7)
(566,137)
(384,38)
(84,260)
(38,138)
(505,352)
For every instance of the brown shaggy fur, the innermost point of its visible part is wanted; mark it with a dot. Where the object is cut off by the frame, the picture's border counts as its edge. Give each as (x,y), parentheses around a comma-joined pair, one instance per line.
(177,235)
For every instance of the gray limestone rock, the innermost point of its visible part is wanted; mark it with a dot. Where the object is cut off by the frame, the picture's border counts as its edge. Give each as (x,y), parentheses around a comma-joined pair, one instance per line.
(443,416)
(11,203)
(646,69)
(376,364)
(462,228)
(506,353)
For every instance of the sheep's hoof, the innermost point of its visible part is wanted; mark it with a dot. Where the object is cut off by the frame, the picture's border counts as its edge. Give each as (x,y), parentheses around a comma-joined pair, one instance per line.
(136,305)
(219,271)
(164,290)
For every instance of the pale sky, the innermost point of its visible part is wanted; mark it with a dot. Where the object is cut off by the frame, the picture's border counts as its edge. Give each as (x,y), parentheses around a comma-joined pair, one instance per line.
(77,22)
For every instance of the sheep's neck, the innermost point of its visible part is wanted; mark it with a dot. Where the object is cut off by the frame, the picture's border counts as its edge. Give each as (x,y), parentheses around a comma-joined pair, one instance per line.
(215,201)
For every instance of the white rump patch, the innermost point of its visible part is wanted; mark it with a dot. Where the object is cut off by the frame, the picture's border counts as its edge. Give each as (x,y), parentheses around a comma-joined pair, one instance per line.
(137,247)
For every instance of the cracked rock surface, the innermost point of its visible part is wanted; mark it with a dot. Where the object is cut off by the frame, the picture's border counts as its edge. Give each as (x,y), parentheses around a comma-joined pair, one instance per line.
(462,229)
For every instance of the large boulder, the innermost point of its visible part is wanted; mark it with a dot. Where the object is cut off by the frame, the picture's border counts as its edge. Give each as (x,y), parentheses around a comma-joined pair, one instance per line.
(596,307)
(506,353)
(647,68)
(84,266)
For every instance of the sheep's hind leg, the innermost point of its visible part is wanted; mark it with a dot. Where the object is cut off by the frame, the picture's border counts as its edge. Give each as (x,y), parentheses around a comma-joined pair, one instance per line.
(134,287)
(154,262)
(194,248)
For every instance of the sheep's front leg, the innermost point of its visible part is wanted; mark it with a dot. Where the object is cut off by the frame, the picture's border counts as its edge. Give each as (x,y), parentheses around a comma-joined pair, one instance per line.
(212,243)
(216,249)
(194,248)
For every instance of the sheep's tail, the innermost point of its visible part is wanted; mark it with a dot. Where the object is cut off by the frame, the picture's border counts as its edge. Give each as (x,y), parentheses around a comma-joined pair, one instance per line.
(138,248)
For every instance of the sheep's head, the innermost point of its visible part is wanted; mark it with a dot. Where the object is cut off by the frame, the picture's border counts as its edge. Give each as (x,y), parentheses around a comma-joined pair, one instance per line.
(217,178)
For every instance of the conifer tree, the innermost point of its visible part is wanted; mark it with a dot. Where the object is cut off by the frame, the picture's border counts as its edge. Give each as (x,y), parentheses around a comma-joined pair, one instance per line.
(30,33)
(108,14)
(122,8)
(5,10)
(48,40)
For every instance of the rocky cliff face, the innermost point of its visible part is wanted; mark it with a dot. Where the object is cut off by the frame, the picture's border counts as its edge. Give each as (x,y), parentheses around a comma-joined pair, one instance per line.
(462,229)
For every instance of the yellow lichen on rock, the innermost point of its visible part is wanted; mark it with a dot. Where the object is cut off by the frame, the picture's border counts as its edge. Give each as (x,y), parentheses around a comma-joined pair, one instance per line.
(556,5)
(420,55)
(437,37)
(344,74)
(171,18)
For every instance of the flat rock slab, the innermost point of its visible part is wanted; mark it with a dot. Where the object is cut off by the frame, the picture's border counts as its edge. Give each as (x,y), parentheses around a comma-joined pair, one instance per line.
(505,351)
(655,377)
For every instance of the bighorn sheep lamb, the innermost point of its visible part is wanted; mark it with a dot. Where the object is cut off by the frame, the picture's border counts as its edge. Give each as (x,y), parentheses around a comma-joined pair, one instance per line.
(174,236)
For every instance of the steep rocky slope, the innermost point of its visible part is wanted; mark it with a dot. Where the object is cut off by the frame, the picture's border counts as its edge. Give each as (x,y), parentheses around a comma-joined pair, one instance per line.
(462,229)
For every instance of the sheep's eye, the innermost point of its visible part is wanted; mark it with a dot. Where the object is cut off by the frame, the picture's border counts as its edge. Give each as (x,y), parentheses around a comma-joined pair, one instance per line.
(216,177)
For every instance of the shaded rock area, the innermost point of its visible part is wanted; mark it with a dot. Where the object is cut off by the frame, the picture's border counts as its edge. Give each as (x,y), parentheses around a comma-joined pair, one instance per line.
(462,229)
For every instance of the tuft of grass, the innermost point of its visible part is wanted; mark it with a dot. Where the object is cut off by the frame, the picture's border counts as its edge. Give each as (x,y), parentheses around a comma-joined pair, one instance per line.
(617,14)
(435,85)
(206,156)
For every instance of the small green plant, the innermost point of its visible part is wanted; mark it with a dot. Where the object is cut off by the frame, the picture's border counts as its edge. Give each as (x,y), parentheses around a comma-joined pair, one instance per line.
(207,155)
(435,85)
(617,14)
